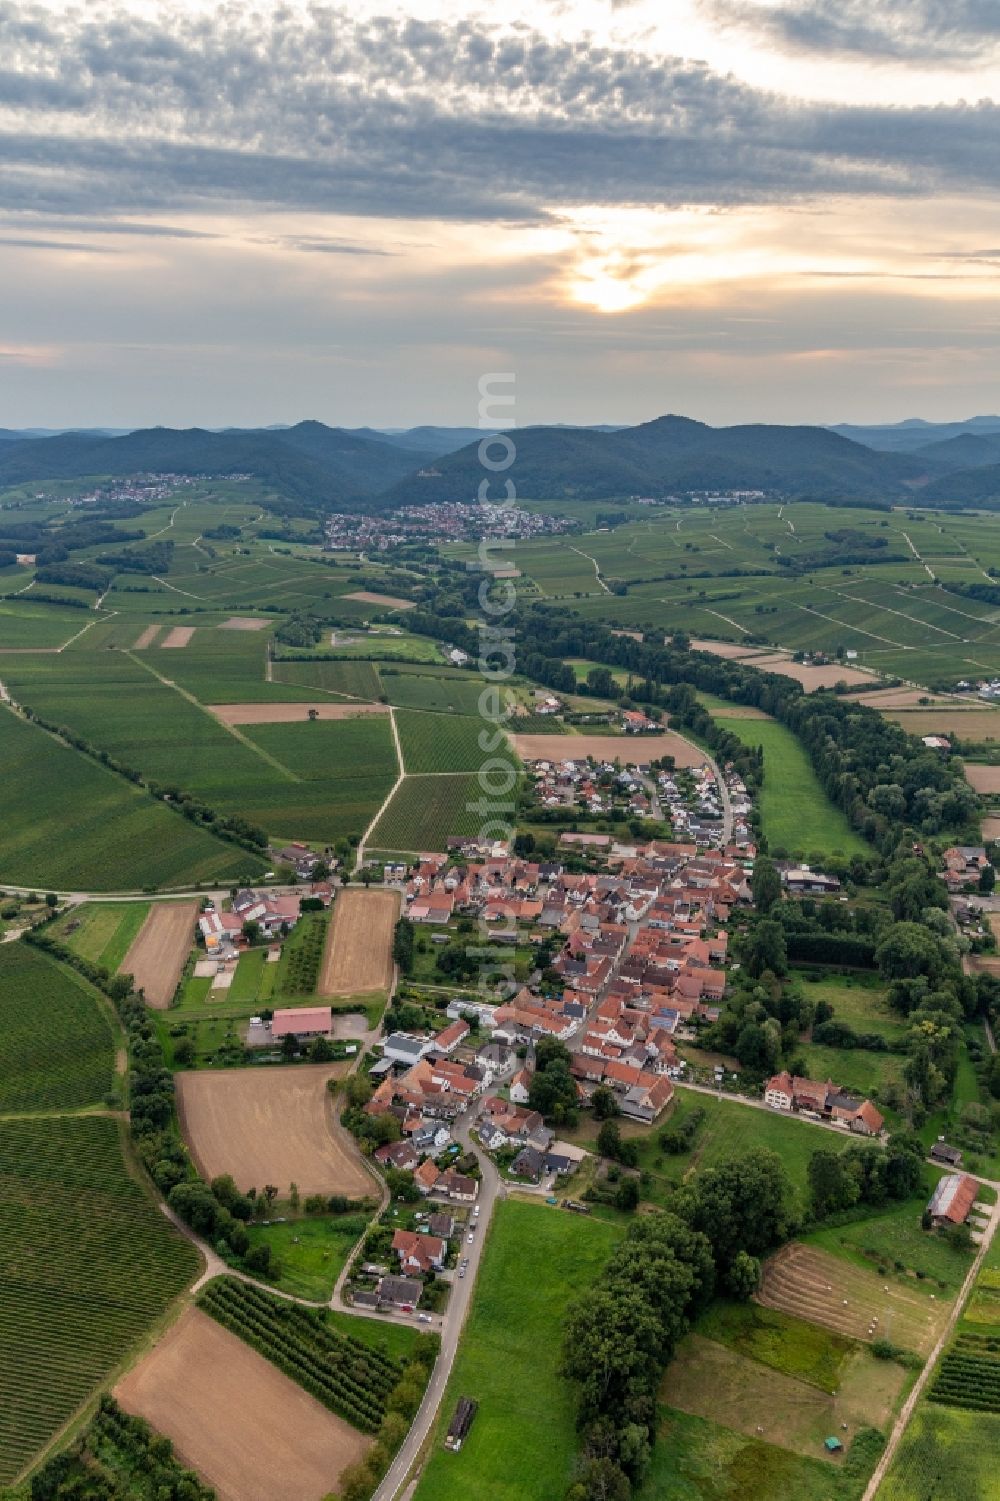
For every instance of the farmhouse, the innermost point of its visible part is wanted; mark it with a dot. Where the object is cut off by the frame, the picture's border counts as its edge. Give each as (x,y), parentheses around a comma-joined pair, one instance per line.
(786,1091)
(302,1022)
(418,1253)
(398,1292)
(952,1199)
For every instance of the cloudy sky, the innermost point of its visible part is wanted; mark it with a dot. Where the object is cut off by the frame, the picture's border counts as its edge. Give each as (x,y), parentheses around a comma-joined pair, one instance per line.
(774,210)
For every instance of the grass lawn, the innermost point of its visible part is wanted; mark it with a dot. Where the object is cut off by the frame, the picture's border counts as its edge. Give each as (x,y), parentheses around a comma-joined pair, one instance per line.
(945,1455)
(254,978)
(523,1441)
(697,1460)
(728,1130)
(102,931)
(795,811)
(309,1251)
(858,1000)
(896,1236)
(855,1069)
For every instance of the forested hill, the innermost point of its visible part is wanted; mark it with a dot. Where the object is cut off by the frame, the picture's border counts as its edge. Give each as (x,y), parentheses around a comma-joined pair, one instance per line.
(674,455)
(317,466)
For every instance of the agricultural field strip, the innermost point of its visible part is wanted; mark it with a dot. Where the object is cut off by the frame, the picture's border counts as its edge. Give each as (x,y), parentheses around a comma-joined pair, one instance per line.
(230,729)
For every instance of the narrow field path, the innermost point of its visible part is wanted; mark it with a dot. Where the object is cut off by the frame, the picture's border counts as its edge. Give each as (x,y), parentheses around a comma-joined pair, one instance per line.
(597,571)
(360,852)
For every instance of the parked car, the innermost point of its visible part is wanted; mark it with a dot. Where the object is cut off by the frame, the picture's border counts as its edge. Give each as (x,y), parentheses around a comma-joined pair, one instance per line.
(423,1318)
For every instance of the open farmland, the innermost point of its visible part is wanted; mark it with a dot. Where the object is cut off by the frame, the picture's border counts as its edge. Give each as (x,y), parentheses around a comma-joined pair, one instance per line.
(456,693)
(945,1455)
(343,1372)
(812,1284)
(235,1418)
(355,679)
(121,838)
(983,779)
(974,725)
(156,958)
(632,750)
(536,1261)
(274,1125)
(425,810)
(358,954)
(720,1384)
(101,931)
(697,1460)
(388,601)
(89,1265)
(795,811)
(40,998)
(441,743)
(298,713)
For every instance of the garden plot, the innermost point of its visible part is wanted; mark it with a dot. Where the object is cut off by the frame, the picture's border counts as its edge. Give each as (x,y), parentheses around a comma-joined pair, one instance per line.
(248,1430)
(271,1125)
(812,1284)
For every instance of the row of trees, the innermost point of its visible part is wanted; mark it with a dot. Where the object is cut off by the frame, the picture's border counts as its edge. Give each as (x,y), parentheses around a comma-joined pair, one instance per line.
(621,1336)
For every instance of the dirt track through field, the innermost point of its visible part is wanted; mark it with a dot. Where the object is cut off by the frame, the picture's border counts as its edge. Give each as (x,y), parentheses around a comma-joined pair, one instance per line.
(248,1430)
(180,635)
(291,713)
(156,958)
(358,954)
(271,1125)
(391,601)
(147,638)
(631,750)
(243,623)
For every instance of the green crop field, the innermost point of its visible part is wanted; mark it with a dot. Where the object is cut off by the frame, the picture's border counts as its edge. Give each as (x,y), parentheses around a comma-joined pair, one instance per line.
(438,742)
(945,1455)
(537,1260)
(102,931)
(70,824)
(352,679)
(89,1264)
(458,694)
(792,1346)
(425,810)
(795,811)
(56,1043)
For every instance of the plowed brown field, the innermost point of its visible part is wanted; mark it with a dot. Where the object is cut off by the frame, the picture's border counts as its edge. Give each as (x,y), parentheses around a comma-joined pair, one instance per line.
(391,601)
(358,954)
(271,1125)
(245,1427)
(631,750)
(814,1285)
(156,959)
